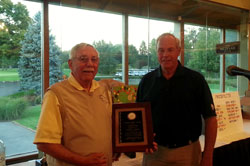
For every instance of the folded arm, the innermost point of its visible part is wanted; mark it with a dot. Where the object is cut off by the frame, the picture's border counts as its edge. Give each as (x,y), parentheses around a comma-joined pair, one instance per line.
(58,151)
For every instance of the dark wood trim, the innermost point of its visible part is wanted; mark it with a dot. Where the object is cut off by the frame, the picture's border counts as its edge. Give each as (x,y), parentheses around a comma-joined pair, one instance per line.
(224,63)
(45,45)
(249,47)
(125,49)
(182,42)
(21,158)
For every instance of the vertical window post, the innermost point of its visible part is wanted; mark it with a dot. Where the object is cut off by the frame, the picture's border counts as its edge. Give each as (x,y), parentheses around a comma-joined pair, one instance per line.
(45,46)
(125,49)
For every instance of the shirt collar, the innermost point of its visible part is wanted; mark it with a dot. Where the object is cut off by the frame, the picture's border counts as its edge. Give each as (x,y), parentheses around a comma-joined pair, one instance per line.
(76,84)
(177,73)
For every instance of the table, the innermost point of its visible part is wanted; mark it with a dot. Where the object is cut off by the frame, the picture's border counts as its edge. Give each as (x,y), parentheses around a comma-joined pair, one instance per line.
(236,153)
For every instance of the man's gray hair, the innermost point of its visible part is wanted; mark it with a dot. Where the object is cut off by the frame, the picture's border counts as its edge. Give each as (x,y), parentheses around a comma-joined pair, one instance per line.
(178,44)
(77,47)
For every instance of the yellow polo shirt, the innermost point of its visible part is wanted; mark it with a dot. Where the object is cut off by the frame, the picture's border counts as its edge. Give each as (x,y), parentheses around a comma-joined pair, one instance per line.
(77,119)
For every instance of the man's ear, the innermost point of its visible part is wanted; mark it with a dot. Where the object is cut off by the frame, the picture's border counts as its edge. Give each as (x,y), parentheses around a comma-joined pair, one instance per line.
(179,50)
(70,63)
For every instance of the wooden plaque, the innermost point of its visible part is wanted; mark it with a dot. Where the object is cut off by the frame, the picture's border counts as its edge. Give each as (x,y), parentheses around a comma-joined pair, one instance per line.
(132,127)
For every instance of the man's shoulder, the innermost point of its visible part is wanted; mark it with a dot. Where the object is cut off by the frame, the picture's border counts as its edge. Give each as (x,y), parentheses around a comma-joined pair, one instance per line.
(58,84)
(148,79)
(110,83)
(192,73)
(151,74)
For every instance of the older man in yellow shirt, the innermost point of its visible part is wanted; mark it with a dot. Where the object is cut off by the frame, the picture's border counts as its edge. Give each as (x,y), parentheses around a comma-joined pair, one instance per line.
(75,122)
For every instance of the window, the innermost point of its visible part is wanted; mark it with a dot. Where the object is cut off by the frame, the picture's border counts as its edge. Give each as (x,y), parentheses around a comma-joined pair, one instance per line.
(143,33)
(102,30)
(200,53)
(20,75)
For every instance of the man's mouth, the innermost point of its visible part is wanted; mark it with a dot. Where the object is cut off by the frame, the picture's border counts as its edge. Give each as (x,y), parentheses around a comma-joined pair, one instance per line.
(88,70)
(166,60)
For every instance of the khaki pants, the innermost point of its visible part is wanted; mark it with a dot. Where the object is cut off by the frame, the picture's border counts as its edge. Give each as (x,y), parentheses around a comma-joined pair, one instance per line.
(189,155)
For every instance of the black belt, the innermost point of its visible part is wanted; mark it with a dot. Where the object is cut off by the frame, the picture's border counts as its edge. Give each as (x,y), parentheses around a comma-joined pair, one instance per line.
(181,144)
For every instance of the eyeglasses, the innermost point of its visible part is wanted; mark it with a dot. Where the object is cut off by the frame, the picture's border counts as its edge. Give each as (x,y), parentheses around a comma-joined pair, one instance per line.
(85,59)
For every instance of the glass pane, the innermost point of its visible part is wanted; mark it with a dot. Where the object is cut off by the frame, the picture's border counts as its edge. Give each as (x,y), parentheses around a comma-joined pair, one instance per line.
(102,30)
(231,59)
(138,31)
(20,75)
(143,33)
(200,53)
(156,29)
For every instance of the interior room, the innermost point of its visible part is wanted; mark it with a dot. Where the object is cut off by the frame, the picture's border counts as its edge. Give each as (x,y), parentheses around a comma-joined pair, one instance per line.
(37,36)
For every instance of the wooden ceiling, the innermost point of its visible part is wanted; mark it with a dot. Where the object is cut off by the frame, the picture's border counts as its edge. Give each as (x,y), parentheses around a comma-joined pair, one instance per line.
(198,12)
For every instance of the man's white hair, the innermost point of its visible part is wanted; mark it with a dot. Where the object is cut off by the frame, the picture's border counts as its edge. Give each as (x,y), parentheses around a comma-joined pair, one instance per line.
(77,47)
(178,44)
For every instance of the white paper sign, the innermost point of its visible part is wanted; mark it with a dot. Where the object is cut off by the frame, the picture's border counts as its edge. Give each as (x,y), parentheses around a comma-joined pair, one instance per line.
(229,117)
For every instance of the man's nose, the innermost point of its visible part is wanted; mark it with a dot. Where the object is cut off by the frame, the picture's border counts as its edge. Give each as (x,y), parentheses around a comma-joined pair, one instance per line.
(90,63)
(165,53)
